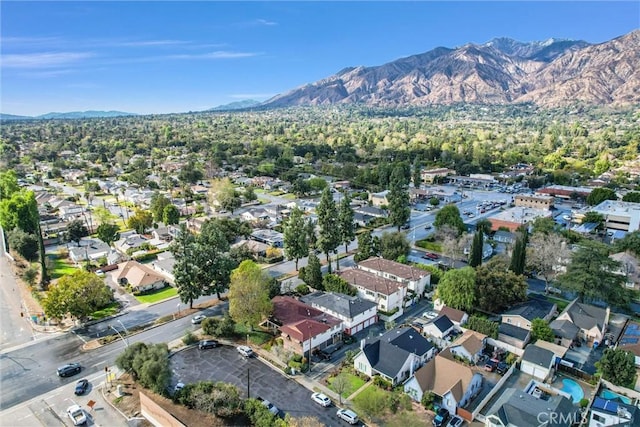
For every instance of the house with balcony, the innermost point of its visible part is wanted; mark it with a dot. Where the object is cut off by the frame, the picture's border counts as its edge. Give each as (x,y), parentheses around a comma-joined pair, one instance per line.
(416,280)
(395,355)
(355,313)
(388,295)
(303,327)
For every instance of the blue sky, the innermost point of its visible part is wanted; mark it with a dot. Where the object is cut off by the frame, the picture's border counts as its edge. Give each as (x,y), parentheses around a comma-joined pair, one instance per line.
(162,57)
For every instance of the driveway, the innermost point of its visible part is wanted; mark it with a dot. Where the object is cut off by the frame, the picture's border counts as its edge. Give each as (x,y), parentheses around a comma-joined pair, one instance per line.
(252,376)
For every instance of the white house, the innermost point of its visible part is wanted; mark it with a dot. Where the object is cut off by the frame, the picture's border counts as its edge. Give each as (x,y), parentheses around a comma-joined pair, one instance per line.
(439,328)
(606,412)
(469,345)
(387,294)
(395,355)
(456,384)
(140,277)
(417,280)
(458,317)
(538,362)
(355,313)
(591,320)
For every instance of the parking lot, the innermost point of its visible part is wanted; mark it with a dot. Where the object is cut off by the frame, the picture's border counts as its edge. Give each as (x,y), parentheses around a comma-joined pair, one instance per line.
(252,377)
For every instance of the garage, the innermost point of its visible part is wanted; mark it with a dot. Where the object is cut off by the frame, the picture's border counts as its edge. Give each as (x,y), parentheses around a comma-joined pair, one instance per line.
(537,362)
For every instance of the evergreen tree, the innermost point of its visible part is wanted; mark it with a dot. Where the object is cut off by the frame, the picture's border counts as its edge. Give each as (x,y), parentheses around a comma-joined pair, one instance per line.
(417,174)
(365,247)
(310,234)
(398,197)
(329,237)
(212,257)
(185,269)
(345,219)
(475,259)
(519,255)
(313,272)
(295,240)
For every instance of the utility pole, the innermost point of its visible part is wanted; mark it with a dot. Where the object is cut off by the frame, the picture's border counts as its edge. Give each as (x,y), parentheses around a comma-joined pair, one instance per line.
(248,383)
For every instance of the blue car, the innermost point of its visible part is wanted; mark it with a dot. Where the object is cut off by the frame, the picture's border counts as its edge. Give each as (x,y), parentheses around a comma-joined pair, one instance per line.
(81,386)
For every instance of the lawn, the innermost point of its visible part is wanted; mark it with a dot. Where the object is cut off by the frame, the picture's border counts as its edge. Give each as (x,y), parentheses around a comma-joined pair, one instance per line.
(158,295)
(355,383)
(372,401)
(109,310)
(257,337)
(432,246)
(61,267)
(562,304)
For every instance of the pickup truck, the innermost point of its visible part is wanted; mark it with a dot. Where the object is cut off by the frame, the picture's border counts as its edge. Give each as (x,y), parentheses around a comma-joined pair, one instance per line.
(270,406)
(77,415)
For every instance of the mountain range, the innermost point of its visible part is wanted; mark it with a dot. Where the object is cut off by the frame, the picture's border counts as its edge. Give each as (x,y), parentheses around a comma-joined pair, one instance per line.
(551,73)
(69,115)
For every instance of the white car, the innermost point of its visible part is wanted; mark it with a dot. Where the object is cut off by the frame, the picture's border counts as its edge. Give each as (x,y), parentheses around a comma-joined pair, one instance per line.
(198,318)
(244,350)
(430,314)
(321,399)
(348,416)
(270,406)
(77,415)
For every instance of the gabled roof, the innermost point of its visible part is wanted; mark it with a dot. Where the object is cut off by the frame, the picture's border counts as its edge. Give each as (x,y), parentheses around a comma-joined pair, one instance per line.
(443,374)
(472,341)
(513,331)
(397,269)
(388,353)
(443,323)
(517,408)
(538,356)
(586,316)
(370,281)
(531,309)
(137,274)
(304,329)
(453,314)
(288,310)
(344,305)
(564,329)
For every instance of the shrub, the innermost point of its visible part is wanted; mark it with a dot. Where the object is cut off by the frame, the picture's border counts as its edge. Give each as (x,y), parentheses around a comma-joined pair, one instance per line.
(189,339)
(427,400)
(382,383)
(302,289)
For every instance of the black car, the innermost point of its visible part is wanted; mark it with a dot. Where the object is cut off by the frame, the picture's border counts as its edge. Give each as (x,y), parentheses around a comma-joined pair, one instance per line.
(502,368)
(81,386)
(208,344)
(69,369)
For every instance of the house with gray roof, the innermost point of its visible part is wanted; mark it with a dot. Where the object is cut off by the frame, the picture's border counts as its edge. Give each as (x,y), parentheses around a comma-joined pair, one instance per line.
(439,328)
(89,249)
(538,362)
(416,279)
(515,408)
(591,320)
(565,332)
(513,335)
(395,355)
(356,313)
(522,314)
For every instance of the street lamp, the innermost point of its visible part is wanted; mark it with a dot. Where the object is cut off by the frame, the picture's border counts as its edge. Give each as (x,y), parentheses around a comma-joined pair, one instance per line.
(125,329)
(120,335)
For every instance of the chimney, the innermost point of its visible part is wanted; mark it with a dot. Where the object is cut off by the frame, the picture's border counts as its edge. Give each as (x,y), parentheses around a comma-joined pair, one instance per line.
(362,342)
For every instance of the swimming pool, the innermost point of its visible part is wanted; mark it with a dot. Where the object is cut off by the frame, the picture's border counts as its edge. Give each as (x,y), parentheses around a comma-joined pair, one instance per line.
(573,388)
(610,395)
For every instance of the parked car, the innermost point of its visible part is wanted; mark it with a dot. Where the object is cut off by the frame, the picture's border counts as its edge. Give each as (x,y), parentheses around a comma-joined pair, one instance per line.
(455,422)
(428,227)
(431,255)
(178,387)
(440,420)
(77,415)
(270,406)
(245,351)
(502,368)
(321,399)
(430,314)
(198,318)
(81,387)
(491,365)
(348,416)
(405,226)
(69,369)
(204,344)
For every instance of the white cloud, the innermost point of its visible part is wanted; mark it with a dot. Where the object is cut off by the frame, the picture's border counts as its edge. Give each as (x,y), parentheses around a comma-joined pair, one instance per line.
(43,59)
(219,54)
(266,22)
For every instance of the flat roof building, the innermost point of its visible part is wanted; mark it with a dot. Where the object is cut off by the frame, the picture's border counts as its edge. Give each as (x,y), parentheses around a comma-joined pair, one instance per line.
(515,217)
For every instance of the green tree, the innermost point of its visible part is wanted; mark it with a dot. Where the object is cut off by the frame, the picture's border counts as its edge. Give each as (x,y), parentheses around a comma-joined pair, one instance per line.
(632,196)
(312,272)
(21,211)
(23,243)
(540,330)
(170,215)
(484,326)
(140,221)
(340,384)
(449,216)
(76,230)
(519,254)
(398,197)
(296,245)
(212,257)
(345,221)
(365,247)
(333,283)
(497,287)
(185,270)
(223,193)
(249,301)
(599,195)
(416,173)
(475,257)
(250,193)
(329,237)
(618,366)
(630,242)
(78,295)
(394,245)
(8,184)
(594,218)
(484,225)
(457,288)
(434,201)
(108,233)
(592,275)
(544,225)
(310,233)
(148,364)
(157,205)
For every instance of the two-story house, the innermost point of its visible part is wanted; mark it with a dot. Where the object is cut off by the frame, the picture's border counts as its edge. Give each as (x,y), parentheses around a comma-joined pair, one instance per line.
(591,321)
(605,412)
(469,345)
(387,294)
(522,314)
(355,313)
(417,280)
(394,356)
